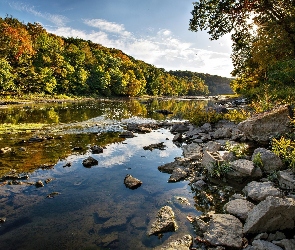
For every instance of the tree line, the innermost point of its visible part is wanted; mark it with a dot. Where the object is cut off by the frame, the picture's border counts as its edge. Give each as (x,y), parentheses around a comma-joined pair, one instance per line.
(263,36)
(33,61)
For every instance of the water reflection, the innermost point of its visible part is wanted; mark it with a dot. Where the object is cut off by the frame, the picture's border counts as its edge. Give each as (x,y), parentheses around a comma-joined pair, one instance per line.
(91,208)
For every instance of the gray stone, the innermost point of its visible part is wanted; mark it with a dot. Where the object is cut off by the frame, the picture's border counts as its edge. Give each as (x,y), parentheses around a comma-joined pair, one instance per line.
(165,222)
(212,146)
(265,245)
(270,215)
(178,174)
(224,230)
(286,179)
(239,208)
(211,158)
(132,182)
(169,167)
(243,168)
(184,243)
(266,125)
(177,137)
(89,162)
(193,151)
(223,132)
(287,244)
(271,162)
(258,191)
(276,236)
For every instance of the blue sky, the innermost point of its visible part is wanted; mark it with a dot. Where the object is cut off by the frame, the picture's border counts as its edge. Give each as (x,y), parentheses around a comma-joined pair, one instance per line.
(155,31)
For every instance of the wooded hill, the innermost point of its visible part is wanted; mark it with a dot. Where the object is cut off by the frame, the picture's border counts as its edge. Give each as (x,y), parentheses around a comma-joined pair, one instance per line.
(33,61)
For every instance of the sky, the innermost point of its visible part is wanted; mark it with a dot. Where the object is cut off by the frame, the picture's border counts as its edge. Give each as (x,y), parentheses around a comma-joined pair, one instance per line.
(155,31)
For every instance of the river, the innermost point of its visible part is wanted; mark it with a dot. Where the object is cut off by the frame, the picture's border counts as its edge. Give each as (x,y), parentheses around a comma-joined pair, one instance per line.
(89,208)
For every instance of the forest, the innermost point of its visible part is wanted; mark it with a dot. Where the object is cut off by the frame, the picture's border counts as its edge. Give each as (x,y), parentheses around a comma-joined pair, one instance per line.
(263,43)
(33,61)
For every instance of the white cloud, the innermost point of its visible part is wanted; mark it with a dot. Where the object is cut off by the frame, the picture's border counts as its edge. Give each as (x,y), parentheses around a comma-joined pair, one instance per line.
(162,49)
(107,26)
(58,20)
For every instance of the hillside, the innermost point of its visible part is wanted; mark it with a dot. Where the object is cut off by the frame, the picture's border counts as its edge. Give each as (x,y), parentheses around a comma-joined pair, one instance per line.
(33,61)
(217,85)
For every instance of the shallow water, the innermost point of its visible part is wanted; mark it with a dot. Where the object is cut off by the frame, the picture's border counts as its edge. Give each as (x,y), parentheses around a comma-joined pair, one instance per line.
(90,208)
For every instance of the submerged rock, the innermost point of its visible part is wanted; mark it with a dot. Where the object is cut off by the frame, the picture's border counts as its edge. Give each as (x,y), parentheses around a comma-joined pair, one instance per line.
(131,182)
(184,243)
(165,222)
(89,162)
(127,134)
(159,146)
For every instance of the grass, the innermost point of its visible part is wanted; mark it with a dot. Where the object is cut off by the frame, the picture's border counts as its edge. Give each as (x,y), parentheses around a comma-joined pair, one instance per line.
(20,128)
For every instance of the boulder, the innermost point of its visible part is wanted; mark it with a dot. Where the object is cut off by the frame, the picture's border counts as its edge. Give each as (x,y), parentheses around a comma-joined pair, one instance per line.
(184,243)
(224,132)
(239,208)
(131,182)
(266,125)
(270,215)
(193,151)
(89,162)
(223,230)
(258,191)
(244,168)
(265,245)
(169,167)
(212,146)
(127,134)
(179,128)
(270,161)
(165,222)
(286,179)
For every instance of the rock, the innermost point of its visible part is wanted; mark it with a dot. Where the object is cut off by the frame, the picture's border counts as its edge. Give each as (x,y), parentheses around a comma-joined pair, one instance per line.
(165,222)
(177,137)
(264,245)
(127,134)
(96,149)
(276,236)
(212,146)
(169,167)
(2,219)
(210,159)
(184,243)
(270,215)
(222,133)
(159,146)
(5,150)
(131,182)
(286,179)
(37,139)
(287,244)
(178,174)
(244,168)
(270,161)
(266,125)
(179,128)
(223,230)
(193,151)
(39,184)
(258,191)
(89,162)
(206,127)
(239,208)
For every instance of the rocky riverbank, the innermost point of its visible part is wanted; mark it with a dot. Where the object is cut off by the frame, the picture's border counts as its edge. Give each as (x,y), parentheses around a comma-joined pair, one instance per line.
(263,215)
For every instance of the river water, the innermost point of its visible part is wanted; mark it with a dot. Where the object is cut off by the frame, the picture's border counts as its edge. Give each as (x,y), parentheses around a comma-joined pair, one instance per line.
(90,208)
